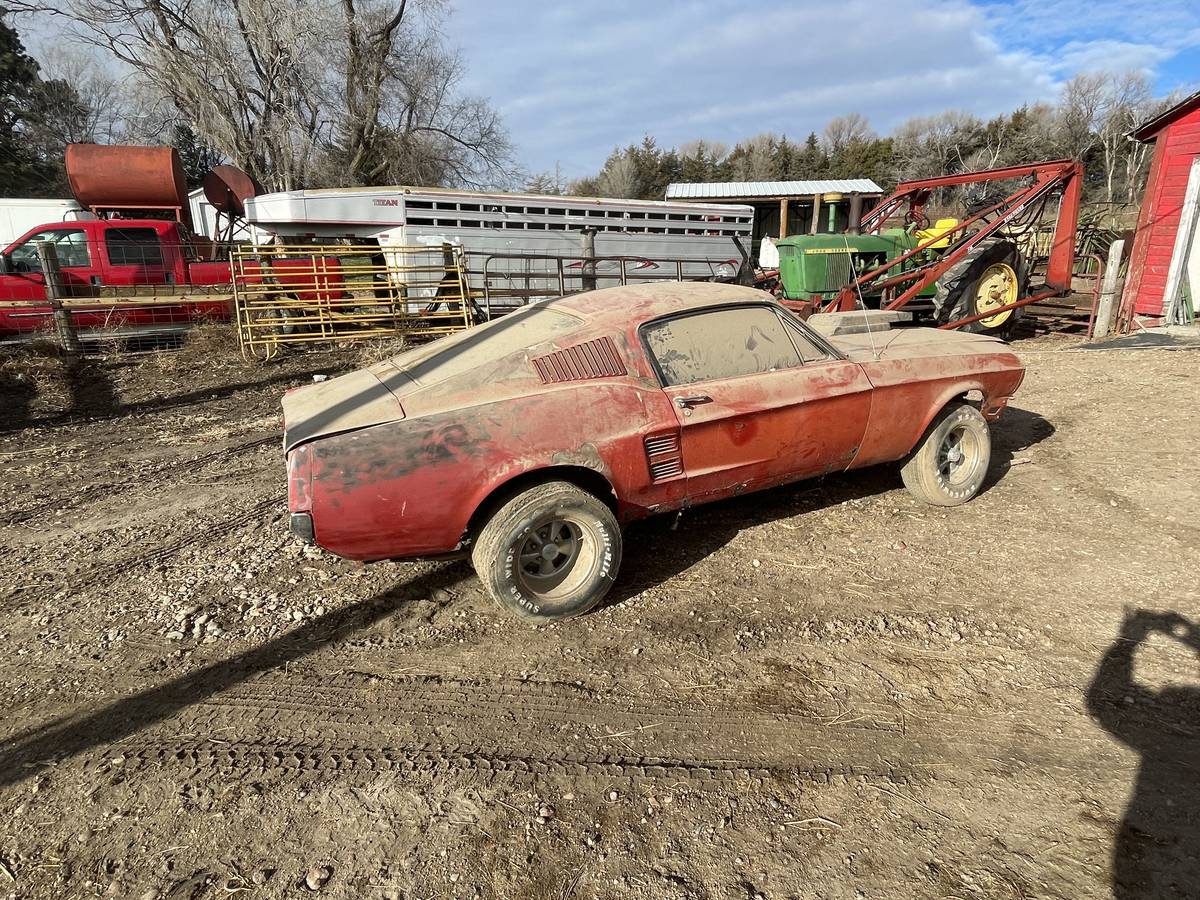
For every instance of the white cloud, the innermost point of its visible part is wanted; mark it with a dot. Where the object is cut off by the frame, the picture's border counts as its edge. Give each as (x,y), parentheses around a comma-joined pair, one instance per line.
(576,79)
(594,74)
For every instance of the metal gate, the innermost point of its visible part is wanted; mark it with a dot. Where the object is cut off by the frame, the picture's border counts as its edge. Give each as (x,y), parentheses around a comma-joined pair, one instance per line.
(304,293)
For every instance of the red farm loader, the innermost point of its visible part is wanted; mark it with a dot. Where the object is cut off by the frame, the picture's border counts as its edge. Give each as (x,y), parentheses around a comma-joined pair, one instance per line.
(977,273)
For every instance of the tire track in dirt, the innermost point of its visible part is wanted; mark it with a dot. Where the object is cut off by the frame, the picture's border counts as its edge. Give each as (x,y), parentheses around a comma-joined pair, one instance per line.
(140,478)
(108,571)
(248,759)
(511,729)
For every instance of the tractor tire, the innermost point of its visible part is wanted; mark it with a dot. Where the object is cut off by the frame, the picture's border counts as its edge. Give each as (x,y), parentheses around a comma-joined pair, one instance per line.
(992,274)
(551,552)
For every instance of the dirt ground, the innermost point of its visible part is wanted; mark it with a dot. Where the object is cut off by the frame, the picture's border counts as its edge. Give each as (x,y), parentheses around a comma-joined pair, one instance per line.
(825,691)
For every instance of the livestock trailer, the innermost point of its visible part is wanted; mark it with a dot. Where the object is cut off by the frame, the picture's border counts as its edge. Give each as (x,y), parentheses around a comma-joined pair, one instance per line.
(526,238)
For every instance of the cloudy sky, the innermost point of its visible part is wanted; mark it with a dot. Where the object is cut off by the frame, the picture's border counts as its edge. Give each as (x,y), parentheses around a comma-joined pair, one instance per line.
(574,78)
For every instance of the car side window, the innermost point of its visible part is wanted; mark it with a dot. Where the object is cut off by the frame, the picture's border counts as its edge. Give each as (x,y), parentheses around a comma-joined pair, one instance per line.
(720,343)
(70,243)
(809,350)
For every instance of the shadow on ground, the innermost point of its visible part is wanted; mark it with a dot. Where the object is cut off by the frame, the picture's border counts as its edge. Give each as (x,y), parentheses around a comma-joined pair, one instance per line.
(86,382)
(1013,433)
(68,736)
(660,548)
(1156,854)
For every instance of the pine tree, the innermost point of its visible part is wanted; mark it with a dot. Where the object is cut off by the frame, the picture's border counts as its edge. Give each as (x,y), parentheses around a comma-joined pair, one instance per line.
(198,159)
(22,172)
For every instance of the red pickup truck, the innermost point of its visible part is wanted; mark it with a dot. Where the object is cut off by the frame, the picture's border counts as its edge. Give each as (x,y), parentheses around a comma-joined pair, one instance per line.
(110,253)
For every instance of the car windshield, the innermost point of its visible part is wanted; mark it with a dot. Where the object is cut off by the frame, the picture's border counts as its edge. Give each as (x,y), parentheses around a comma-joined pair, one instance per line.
(527,327)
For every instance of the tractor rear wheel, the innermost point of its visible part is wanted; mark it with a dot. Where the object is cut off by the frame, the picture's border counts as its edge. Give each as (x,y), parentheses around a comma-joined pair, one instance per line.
(990,276)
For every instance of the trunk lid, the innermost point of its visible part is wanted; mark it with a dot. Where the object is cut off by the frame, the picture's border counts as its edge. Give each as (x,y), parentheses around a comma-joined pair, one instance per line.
(346,403)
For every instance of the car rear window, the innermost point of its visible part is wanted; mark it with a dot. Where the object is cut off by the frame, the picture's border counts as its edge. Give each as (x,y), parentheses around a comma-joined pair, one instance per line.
(133,247)
(452,355)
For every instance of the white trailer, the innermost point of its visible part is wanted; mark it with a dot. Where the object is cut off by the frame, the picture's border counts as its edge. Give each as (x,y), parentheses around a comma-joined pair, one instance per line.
(18,216)
(503,234)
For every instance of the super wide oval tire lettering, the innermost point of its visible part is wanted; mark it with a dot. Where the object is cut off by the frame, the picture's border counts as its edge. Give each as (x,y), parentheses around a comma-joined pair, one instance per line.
(499,542)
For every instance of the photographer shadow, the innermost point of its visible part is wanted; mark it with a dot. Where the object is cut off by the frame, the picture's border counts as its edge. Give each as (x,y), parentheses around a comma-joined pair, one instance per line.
(1157,848)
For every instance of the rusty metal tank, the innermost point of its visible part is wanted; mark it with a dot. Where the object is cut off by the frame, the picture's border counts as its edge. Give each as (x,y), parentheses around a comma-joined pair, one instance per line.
(228,188)
(114,178)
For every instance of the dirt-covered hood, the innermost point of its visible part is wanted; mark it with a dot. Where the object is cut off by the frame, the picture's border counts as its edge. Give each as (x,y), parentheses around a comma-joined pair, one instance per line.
(914,343)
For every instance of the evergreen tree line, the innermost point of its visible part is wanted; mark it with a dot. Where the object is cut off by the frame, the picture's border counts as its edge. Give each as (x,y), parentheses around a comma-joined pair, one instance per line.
(1089,122)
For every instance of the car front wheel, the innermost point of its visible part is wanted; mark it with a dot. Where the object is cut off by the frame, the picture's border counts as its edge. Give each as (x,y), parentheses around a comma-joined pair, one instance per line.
(950,463)
(551,552)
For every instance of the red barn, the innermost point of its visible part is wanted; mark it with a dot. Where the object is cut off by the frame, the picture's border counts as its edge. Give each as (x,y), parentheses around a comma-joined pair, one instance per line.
(1164,266)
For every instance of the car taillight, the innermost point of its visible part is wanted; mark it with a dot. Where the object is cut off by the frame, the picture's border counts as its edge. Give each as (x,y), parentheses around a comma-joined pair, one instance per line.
(299,465)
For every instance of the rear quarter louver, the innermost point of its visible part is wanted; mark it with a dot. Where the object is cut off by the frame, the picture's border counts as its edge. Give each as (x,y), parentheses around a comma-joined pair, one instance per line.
(592,359)
(662,453)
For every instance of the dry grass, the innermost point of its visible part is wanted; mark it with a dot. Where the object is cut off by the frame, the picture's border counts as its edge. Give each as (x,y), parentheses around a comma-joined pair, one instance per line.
(375,350)
(33,371)
(212,344)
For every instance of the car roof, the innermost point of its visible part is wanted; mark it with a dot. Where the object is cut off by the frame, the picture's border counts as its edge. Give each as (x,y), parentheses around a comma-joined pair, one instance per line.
(618,306)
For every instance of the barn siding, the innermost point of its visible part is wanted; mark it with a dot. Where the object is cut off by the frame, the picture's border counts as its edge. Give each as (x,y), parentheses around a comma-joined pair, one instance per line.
(1158,221)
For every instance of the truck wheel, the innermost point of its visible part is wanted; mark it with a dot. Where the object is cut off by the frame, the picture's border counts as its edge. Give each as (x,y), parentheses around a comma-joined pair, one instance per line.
(551,552)
(989,276)
(951,461)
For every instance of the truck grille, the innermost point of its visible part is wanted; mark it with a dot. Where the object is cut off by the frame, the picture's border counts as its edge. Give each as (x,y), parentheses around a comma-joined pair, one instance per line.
(837,271)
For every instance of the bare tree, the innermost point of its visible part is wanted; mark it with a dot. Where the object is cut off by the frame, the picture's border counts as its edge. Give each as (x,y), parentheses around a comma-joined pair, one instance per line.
(754,159)
(1126,98)
(1081,109)
(702,149)
(354,90)
(547,182)
(933,145)
(619,177)
(103,105)
(844,130)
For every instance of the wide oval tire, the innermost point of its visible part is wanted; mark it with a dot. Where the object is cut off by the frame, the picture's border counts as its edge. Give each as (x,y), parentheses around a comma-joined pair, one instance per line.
(551,552)
(950,463)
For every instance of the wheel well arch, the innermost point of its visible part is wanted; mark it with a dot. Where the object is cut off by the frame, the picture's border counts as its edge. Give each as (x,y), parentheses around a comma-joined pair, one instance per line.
(595,483)
(972,392)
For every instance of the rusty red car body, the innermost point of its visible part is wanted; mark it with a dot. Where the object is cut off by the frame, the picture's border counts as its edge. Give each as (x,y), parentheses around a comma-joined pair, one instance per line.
(407,457)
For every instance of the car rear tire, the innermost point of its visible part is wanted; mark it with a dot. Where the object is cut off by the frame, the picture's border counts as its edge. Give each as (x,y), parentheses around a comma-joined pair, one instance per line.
(551,552)
(951,461)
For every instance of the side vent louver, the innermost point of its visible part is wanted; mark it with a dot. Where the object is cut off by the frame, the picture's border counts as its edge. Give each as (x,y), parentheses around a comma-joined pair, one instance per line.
(662,452)
(593,359)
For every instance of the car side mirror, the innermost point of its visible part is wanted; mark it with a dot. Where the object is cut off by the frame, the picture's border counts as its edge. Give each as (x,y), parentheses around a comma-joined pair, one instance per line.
(5,264)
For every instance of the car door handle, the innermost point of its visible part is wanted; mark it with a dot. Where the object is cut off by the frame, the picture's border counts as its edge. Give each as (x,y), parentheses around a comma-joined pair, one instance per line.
(694,400)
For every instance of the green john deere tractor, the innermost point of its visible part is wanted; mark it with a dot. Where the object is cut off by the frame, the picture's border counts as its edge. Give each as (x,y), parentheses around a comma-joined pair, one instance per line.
(813,268)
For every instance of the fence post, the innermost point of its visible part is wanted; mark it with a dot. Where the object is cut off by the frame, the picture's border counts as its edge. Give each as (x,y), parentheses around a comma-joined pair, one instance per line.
(52,278)
(587,248)
(1108,290)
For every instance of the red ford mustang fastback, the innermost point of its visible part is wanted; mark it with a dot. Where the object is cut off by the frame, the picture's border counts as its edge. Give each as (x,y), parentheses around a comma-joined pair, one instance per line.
(528,441)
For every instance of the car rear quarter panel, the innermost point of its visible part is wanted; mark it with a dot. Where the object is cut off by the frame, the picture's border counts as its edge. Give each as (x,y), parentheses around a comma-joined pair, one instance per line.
(909,393)
(410,488)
